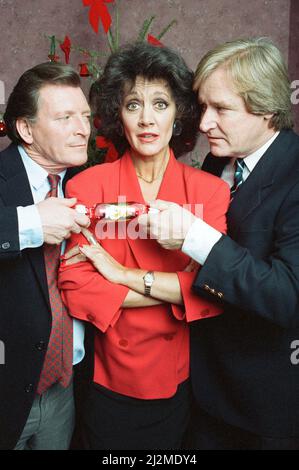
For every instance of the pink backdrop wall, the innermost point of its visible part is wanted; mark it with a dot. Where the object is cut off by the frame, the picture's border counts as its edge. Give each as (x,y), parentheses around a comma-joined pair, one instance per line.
(201,25)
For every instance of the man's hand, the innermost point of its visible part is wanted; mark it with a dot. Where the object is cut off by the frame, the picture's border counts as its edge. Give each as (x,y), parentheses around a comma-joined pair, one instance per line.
(169,226)
(59,220)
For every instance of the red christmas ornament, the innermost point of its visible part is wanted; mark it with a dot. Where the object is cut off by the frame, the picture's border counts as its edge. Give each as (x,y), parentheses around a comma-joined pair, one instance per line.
(154,41)
(3,128)
(84,72)
(65,46)
(53,58)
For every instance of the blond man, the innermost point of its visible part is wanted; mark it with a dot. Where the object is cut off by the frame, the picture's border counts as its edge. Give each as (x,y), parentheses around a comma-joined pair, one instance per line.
(243,363)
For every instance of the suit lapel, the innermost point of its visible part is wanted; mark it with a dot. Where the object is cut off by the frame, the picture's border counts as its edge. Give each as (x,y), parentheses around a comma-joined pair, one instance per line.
(246,199)
(258,185)
(15,191)
(14,185)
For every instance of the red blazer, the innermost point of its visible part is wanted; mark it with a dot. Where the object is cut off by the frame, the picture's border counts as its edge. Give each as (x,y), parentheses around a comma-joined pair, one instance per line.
(140,352)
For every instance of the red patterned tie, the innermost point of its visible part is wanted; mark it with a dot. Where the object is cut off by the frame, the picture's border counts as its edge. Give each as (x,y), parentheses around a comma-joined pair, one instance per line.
(58,361)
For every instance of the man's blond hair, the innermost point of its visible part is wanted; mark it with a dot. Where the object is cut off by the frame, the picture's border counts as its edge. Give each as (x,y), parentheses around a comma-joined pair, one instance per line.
(258,73)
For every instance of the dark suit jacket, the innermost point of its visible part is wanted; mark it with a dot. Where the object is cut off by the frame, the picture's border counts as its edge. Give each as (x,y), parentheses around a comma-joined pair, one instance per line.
(241,361)
(25,315)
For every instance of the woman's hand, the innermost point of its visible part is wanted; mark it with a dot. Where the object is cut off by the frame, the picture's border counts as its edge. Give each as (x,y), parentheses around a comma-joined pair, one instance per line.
(192,266)
(99,257)
(104,262)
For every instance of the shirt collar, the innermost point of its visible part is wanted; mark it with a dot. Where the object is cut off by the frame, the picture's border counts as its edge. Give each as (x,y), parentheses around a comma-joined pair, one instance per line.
(36,174)
(252,159)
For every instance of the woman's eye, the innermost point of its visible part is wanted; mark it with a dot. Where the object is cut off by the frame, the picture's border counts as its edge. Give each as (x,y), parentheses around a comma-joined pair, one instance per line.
(132,106)
(161,104)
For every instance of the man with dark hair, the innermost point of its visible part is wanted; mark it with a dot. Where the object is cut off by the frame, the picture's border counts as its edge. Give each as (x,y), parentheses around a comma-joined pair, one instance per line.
(244,374)
(47,117)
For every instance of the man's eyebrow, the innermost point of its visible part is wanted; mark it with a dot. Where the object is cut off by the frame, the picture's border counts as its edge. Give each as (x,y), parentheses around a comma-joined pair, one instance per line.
(221,104)
(71,111)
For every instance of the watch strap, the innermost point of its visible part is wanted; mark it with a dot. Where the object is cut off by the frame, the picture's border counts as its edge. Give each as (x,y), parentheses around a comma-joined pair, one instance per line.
(147,290)
(147,287)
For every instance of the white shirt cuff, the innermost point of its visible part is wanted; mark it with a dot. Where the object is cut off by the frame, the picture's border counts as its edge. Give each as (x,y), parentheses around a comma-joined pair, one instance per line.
(78,335)
(30,227)
(200,240)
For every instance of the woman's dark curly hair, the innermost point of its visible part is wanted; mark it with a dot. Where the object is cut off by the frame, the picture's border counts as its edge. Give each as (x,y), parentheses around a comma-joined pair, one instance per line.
(149,62)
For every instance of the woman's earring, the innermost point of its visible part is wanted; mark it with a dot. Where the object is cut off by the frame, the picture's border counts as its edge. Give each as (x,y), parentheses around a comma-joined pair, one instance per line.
(177,128)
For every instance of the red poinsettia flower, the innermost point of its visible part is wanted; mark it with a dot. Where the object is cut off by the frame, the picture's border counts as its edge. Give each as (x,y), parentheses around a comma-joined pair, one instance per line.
(98,11)
(112,153)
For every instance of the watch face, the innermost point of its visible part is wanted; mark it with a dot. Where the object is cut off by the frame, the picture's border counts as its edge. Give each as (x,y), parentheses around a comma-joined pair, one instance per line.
(148,278)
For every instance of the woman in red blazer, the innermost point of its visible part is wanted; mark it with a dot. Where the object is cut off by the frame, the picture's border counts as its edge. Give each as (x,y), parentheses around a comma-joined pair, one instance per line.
(139,397)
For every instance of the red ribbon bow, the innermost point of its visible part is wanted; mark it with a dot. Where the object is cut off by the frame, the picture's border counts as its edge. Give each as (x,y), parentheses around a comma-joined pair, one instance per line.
(98,10)
(65,46)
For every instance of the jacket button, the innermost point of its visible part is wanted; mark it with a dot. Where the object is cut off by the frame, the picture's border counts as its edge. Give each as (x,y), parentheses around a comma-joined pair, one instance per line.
(123,342)
(5,245)
(168,337)
(28,388)
(40,346)
(90,317)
